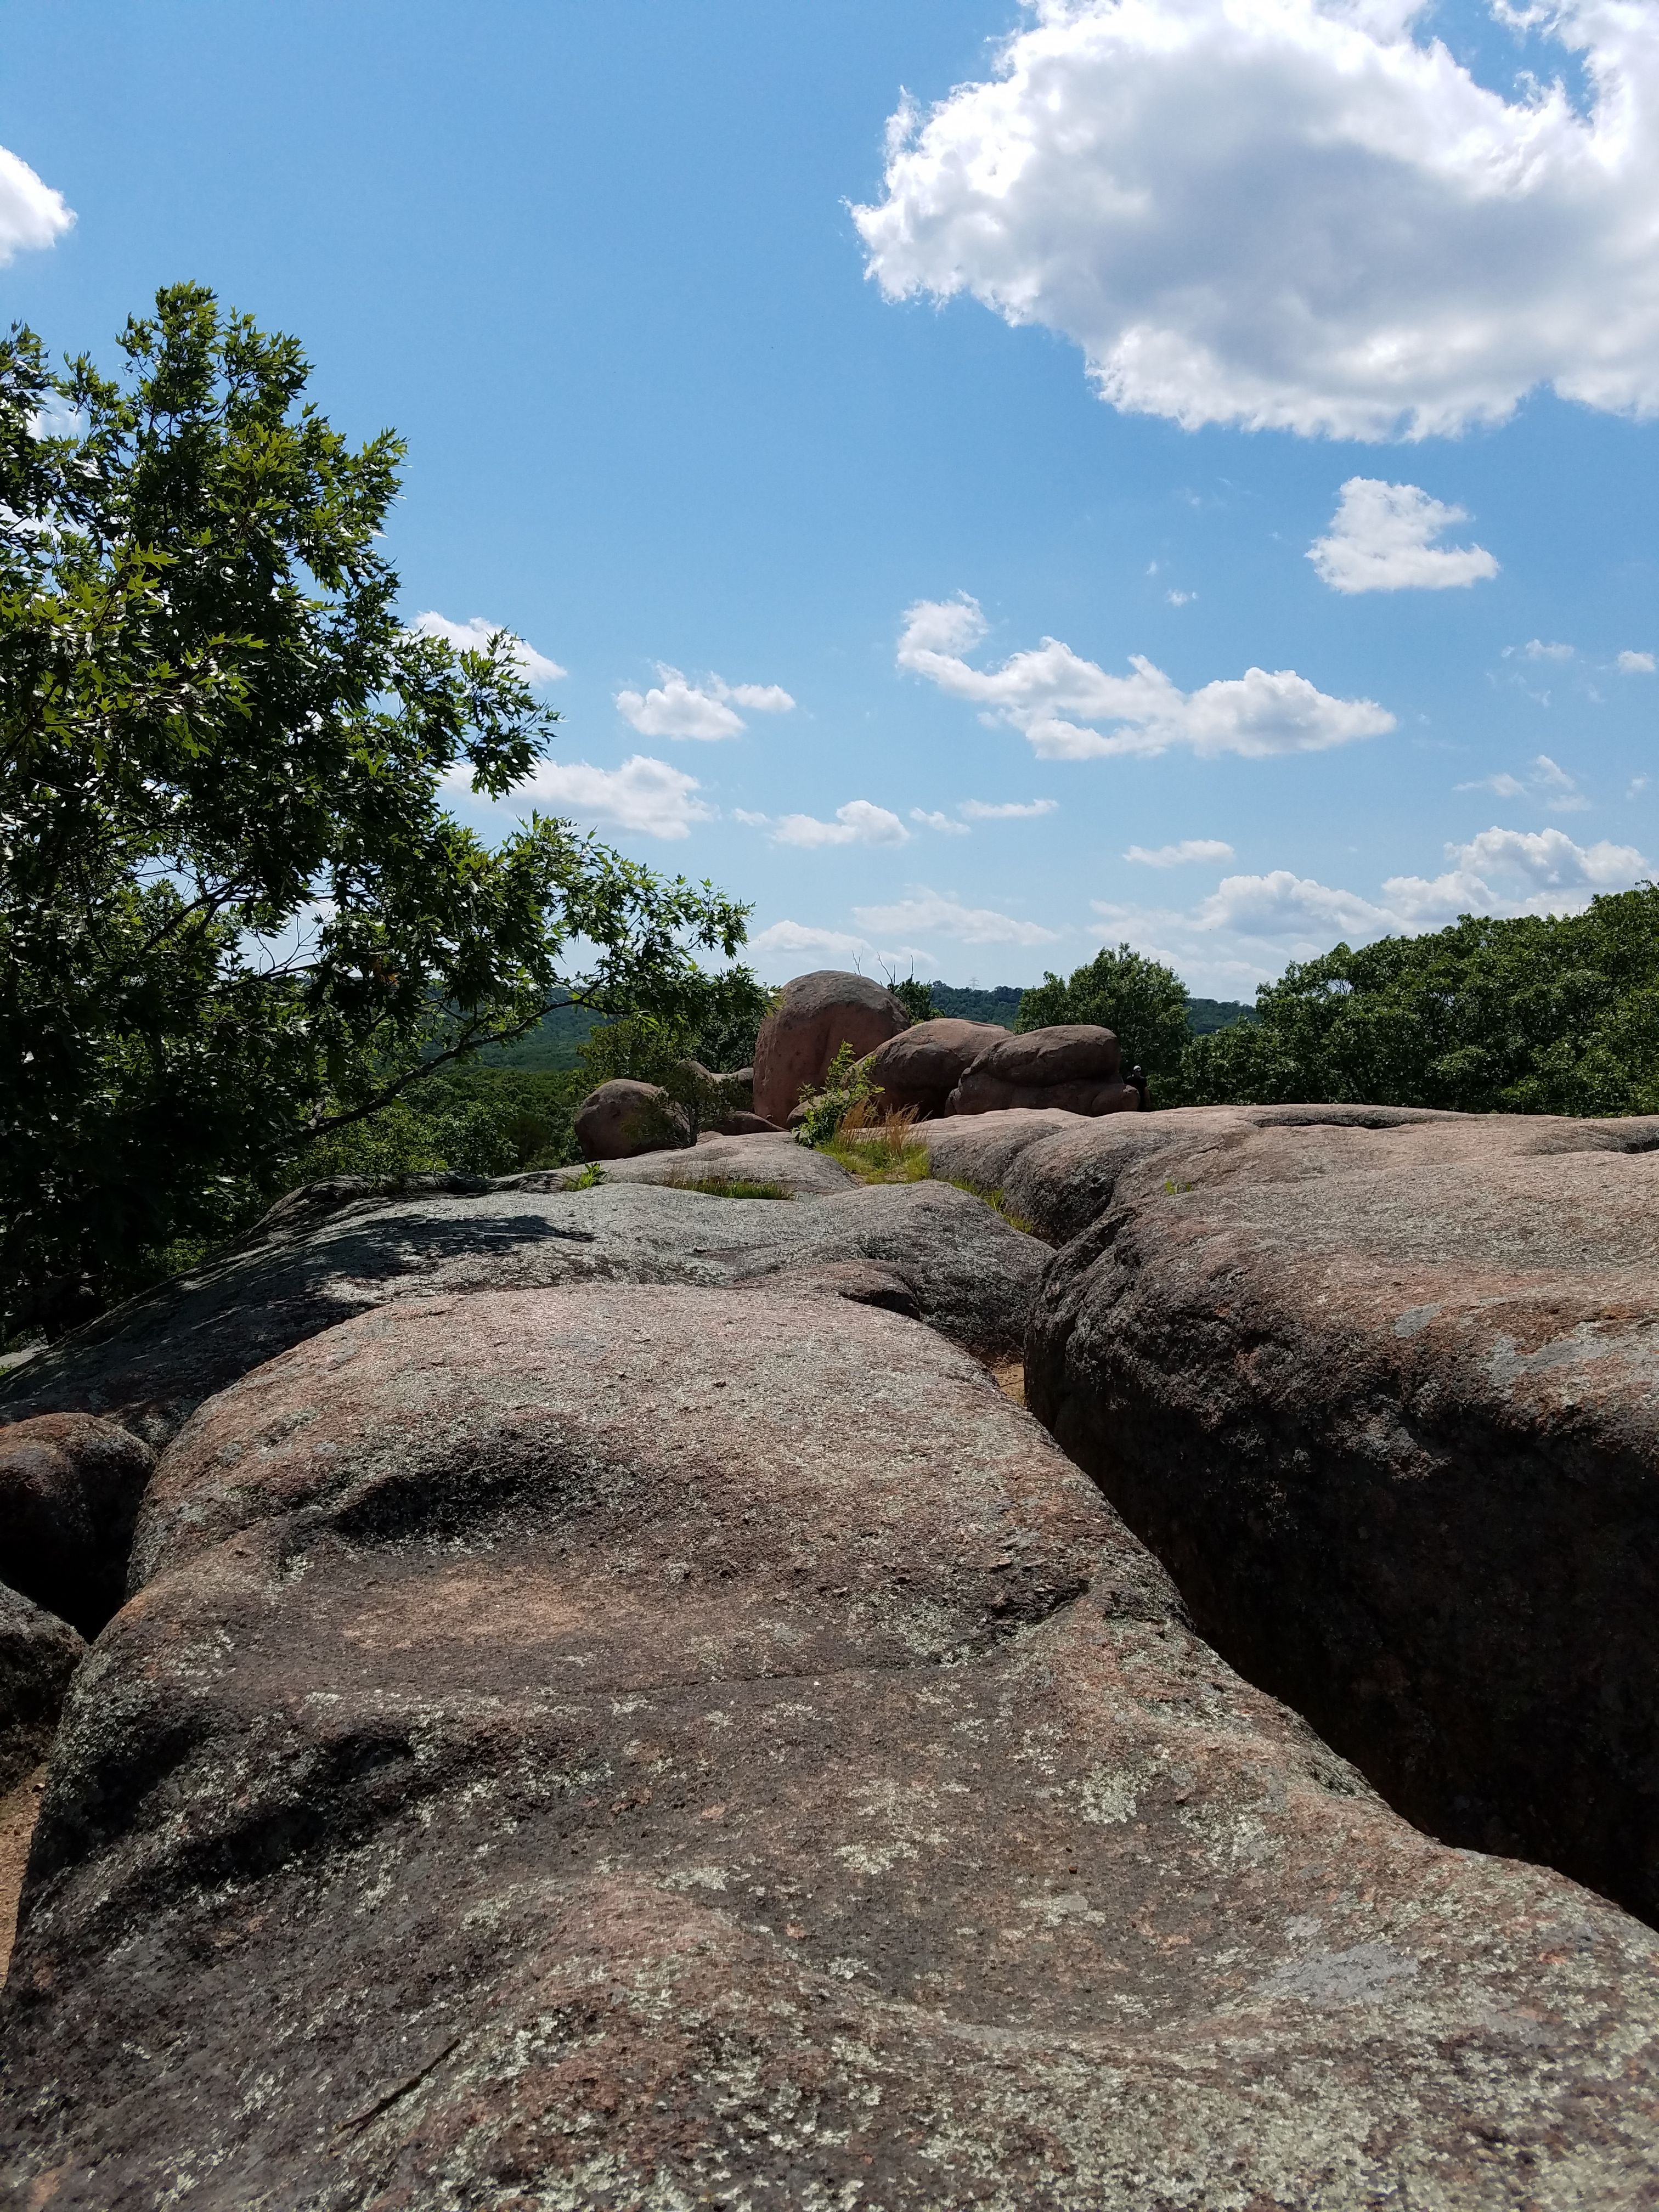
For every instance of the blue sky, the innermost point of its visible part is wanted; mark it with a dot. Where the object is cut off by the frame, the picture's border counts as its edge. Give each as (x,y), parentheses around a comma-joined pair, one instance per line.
(1131,300)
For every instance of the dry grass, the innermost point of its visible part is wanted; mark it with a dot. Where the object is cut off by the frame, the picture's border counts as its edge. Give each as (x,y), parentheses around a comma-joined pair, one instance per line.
(734,1187)
(879,1147)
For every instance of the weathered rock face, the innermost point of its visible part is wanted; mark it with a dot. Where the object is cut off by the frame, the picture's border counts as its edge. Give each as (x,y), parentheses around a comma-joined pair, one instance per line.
(1382,1391)
(1072,1066)
(623,1118)
(70,1487)
(557,1761)
(764,1155)
(39,1653)
(920,1067)
(149,1362)
(817,1015)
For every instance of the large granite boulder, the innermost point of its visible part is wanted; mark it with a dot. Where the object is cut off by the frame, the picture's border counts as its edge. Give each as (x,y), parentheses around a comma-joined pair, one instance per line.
(39,1653)
(815,1017)
(919,1068)
(1382,1389)
(70,1487)
(326,1254)
(766,1156)
(622,1118)
(1072,1066)
(564,1756)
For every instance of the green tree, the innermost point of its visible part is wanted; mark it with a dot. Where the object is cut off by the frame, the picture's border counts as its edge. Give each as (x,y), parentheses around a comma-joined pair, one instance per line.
(235,915)
(1141,1001)
(1541,1014)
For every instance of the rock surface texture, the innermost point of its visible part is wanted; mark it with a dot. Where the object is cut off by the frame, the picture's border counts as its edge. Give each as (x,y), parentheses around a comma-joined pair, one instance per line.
(1072,1066)
(329,1254)
(764,1155)
(1382,1389)
(817,1014)
(622,1118)
(70,1487)
(556,1761)
(39,1653)
(918,1069)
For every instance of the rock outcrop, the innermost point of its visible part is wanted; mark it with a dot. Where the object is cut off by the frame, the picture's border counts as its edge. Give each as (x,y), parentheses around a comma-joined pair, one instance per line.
(815,1017)
(1072,1066)
(70,1487)
(623,1118)
(919,1068)
(583,1749)
(39,1653)
(767,1156)
(324,1255)
(1380,1389)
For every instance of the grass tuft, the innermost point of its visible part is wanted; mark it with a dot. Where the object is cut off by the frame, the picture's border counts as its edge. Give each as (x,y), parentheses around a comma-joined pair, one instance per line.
(590,1178)
(879,1147)
(735,1187)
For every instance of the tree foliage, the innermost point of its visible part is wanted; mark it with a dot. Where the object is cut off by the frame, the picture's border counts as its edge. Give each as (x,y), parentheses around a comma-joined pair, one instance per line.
(234,913)
(1539,1015)
(1141,1001)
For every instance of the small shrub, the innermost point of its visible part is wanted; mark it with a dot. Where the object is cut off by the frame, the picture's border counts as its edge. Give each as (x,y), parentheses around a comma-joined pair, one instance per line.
(590,1178)
(846,1084)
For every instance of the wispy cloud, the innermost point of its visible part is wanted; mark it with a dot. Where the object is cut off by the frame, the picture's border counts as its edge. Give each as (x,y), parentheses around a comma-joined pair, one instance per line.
(1009,810)
(1053,696)
(1175,856)
(1635,664)
(932,913)
(1546,782)
(942,823)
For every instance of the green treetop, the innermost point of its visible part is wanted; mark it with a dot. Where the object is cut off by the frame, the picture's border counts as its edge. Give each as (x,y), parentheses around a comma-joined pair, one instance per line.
(234,913)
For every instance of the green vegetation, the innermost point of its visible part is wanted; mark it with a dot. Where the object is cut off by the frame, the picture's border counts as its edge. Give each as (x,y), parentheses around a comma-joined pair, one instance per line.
(916,999)
(712,1030)
(236,920)
(846,1085)
(1141,1001)
(999,1203)
(735,1187)
(1000,1006)
(1538,1015)
(1205,1015)
(553,1046)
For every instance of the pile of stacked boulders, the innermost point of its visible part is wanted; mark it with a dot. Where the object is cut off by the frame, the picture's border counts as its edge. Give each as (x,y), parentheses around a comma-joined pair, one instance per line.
(931,1069)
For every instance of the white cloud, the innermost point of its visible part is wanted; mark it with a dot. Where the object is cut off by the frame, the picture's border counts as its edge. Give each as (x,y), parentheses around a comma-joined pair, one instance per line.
(1174,856)
(677,708)
(1181,599)
(1514,872)
(857,822)
(1299,214)
(473,636)
(1547,781)
(645,795)
(31,214)
(800,937)
(1012,810)
(1382,539)
(1535,649)
(927,912)
(942,823)
(1635,664)
(1250,925)
(1038,692)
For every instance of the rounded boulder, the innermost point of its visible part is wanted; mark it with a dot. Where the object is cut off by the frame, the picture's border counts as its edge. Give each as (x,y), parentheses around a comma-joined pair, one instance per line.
(622,1119)
(922,1065)
(1073,1066)
(817,1015)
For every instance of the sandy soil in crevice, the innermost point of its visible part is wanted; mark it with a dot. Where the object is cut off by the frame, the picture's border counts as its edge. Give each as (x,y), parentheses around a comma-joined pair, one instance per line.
(17,1810)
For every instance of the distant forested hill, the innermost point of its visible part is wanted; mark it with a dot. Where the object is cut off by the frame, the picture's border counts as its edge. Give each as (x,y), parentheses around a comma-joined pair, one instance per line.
(1205,1015)
(1000,1005)
(551,1045)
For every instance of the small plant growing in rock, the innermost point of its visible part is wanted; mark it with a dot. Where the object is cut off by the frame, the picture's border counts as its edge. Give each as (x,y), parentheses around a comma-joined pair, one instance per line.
(846,1083)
